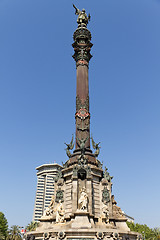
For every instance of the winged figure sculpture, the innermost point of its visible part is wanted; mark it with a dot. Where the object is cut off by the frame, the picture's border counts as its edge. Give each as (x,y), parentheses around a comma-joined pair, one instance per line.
(96,147)
(69,147)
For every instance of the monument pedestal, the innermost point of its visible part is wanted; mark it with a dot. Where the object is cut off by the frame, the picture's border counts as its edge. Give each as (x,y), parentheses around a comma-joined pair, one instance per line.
(81,220)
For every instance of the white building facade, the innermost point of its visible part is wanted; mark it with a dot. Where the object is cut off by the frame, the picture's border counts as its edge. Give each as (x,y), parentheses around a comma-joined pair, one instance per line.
(45,188)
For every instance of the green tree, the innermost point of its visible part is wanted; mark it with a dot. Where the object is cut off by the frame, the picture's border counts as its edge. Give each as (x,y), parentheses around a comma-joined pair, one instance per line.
(14,233)
(32,226)
(3,226)
(146,232)
(156,233)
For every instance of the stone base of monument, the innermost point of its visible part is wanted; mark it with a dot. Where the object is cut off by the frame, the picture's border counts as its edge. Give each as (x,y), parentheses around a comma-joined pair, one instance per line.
(81,220)
(61,231)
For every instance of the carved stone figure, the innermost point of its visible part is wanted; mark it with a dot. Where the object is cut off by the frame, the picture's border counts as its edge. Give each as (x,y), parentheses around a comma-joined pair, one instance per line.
(47,212)
(117,212)
(69,147)
(50,210)
(82,160)
(83,200)
(105,211)
(60,213)
(95,146)
(82,16)
(106,175)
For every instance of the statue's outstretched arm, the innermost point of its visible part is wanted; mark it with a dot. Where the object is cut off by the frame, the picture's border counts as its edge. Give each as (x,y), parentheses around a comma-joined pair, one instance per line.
(77,12)
(89,17)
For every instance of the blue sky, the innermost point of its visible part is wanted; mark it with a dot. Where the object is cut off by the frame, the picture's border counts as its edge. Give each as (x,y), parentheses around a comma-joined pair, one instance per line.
(37,98)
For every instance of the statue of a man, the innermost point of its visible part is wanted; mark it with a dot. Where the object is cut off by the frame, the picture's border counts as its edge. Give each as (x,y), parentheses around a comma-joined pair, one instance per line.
(60,213)
(105,211)
(83,200)
(82,16)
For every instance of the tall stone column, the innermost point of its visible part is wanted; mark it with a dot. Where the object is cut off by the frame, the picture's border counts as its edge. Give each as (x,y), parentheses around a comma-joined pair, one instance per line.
(82,56)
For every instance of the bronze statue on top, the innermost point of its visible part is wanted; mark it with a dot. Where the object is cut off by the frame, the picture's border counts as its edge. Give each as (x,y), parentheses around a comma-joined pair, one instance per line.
(82,19)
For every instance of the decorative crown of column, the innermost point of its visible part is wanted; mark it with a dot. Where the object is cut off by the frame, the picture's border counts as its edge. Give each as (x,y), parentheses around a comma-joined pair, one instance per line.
(82,38)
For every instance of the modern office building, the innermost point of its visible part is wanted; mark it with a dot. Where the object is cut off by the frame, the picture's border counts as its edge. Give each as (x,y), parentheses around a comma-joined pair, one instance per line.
(45,188)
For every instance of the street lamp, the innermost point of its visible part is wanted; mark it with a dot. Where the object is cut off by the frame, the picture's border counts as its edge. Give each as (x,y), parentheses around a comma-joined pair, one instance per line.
(143,235)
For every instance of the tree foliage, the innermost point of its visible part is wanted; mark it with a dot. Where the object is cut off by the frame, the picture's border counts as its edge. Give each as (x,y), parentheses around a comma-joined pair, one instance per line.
(3,226)
(147,233)
(157,233)
(14,233)
(32,226)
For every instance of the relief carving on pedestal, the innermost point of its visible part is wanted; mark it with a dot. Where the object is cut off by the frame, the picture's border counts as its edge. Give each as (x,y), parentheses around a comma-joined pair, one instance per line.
(46,235)
(61,235)
(100,235)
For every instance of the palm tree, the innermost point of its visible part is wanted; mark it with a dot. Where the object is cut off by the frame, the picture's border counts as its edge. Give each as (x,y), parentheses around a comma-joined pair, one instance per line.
(32,226)
(2,237)
(156,233)
(14,233)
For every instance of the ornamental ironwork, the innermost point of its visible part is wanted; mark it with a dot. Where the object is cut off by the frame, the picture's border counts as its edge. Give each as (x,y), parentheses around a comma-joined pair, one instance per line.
(80,105)
(105,195)
(59,196)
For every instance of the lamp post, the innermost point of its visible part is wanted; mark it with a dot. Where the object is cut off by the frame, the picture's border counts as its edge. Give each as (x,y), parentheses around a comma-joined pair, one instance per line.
(143,235)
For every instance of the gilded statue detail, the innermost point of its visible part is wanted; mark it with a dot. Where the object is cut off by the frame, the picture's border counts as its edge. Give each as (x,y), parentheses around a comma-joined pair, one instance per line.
(82,19)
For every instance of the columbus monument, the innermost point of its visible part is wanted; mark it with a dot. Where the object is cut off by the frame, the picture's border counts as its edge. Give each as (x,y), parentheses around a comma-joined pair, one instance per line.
(83,207)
